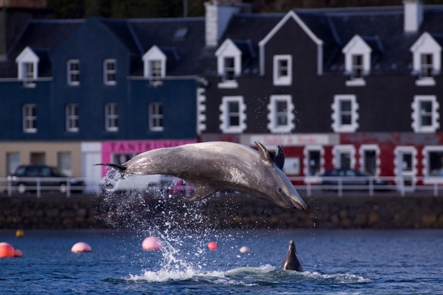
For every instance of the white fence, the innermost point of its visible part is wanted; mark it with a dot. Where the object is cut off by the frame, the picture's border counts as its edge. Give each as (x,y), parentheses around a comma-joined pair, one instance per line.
(340,185)
(36,185)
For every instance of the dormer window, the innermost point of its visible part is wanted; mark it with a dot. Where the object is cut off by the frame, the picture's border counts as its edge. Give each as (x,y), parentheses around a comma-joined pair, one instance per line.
(229,69)
(427,66)
(154,61)
(426,55)
(228,64)
(357,66)
(27,62)
(156,69)
(357,60)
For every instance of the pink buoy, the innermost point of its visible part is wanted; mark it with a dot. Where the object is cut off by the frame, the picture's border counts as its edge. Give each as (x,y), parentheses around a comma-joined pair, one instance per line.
(212,246)
(81,247)
(18,253)
(6,250)
(151,243)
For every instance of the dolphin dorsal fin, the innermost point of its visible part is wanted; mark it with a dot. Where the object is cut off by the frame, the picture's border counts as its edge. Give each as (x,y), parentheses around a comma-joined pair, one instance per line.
(265,156)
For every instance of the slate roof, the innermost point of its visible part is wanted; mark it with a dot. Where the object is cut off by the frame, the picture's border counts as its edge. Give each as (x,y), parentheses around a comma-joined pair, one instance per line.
(380,27)
(181,39)
(183,51)
(383,29)
(251,28)
(42,36)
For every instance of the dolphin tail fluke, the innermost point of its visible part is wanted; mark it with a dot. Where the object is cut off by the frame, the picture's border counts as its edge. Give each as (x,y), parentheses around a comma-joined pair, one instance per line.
(120,168)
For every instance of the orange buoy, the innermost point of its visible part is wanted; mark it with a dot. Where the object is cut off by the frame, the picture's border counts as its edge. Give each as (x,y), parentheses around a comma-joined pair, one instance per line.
(212,246)
(6,250)
(19,233)
(18,253)
(151,243)
(81,247)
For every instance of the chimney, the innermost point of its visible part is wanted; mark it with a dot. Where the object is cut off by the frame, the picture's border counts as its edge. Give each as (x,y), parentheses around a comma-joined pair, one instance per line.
(217,17)
(413,15)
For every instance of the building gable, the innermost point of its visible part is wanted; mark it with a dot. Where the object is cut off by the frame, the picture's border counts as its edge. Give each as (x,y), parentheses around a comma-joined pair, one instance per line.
(291,15)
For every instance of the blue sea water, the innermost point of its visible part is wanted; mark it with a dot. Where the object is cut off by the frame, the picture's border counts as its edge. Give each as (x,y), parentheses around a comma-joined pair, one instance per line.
(335,262)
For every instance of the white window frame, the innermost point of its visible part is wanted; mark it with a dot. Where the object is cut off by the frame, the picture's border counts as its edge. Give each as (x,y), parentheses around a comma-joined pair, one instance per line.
(29,120)
(416,114)
(337,150)
(228,50)
(71,117)
(26,57)
(272,114)
(282,80)
(306,150)
(429,179)
(425,44)
(73,72)
(370,147)
(111,117)
(357,46)
(109,72)
(225,115)
(156,116)
(337,125)
(399,173)
(154,54)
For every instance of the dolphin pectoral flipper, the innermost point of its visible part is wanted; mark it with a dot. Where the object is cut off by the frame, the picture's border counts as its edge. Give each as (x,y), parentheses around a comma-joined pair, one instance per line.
(202,192)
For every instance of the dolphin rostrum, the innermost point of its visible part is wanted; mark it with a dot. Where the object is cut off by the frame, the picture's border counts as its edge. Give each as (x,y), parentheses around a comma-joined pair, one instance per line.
(216,166)
(291,261)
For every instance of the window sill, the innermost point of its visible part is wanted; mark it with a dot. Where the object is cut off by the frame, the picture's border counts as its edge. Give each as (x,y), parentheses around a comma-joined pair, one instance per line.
(282,82)
(228,84)
(428,81)
(280,129)
(356,82)
(426,130)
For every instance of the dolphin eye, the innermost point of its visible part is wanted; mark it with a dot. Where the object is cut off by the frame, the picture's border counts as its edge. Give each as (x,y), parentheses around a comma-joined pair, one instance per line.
(279,190)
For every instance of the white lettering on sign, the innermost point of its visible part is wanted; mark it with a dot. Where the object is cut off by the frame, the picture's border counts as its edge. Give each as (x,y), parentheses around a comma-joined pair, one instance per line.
(291,140)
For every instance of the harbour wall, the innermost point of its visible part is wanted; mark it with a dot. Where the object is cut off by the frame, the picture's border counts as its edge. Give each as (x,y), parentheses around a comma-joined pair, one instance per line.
(326,211)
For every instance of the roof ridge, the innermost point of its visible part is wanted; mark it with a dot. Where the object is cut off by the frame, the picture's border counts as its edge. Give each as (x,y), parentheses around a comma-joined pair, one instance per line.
(166,19)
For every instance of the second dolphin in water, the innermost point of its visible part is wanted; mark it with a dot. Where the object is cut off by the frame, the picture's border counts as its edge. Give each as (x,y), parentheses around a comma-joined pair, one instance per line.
(291,261)
(216,166)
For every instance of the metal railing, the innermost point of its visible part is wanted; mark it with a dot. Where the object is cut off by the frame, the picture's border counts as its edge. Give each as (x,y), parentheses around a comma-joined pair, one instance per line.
(66,186)
(369,184)
(311,184)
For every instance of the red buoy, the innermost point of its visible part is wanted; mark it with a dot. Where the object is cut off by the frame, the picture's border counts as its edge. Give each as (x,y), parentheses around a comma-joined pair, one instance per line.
(81,247)
(6,250)
(151,243)
(212,246)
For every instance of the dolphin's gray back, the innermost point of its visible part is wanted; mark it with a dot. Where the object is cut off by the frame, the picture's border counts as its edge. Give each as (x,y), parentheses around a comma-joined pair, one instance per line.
(219,162)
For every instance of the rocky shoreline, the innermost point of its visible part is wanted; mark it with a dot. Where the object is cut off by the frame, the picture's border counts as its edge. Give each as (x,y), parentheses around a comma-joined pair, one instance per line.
(326,211)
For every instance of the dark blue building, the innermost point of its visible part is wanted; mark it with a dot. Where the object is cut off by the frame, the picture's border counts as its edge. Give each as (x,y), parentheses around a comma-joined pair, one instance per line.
(72,88)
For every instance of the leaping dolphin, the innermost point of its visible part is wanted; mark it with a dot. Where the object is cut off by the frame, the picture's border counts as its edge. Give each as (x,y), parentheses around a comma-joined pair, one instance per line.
(291,261)
(216,166)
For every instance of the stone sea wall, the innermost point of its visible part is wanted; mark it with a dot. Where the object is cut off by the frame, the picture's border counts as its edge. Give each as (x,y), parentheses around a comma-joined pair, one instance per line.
(325,211)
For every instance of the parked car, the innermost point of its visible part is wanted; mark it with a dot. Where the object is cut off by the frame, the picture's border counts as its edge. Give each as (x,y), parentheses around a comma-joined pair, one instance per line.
(25,178)
(351,177)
